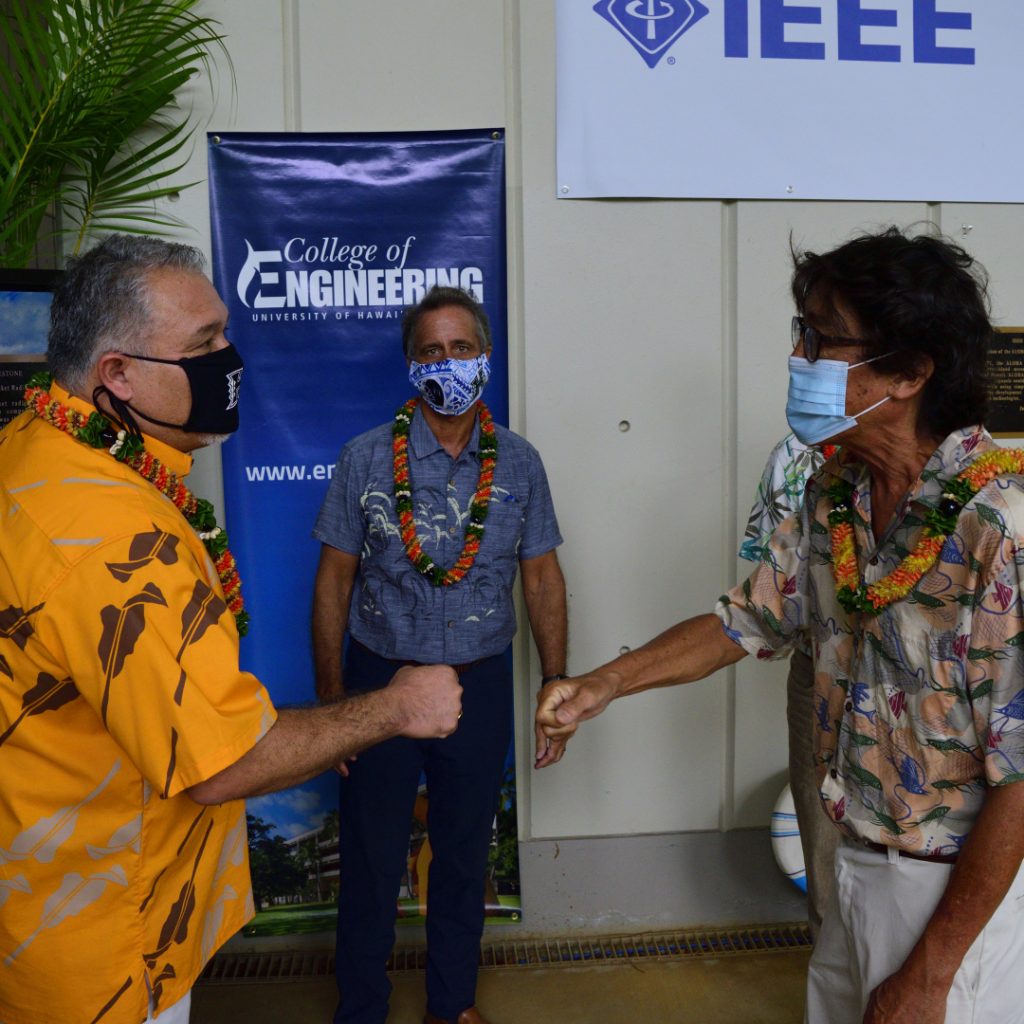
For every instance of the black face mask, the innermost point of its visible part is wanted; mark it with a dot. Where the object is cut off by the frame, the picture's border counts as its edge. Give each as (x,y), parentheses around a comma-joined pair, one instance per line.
(214,380)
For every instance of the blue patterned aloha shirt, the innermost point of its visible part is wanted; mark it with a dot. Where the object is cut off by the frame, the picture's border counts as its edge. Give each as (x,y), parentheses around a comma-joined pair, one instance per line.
(921,708)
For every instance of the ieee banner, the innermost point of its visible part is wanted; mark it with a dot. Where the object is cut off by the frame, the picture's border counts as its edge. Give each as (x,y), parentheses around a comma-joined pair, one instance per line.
(320,242)
(778,99)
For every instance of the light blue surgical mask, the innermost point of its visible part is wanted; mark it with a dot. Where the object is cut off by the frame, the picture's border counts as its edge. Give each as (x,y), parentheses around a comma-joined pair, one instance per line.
(450,386)
(816,404)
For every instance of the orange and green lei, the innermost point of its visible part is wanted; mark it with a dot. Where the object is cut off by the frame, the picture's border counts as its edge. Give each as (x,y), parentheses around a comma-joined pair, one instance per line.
(488,456)
(97,431)
(855,595)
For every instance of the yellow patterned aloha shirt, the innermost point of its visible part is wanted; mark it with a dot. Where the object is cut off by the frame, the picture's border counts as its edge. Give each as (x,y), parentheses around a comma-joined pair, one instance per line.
(119,689)
(921,708)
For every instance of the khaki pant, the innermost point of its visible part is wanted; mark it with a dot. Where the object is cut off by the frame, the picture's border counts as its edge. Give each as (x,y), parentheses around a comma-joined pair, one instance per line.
(818,836)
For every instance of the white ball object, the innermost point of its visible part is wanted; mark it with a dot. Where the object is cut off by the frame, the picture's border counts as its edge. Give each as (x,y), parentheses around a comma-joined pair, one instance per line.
(785,833)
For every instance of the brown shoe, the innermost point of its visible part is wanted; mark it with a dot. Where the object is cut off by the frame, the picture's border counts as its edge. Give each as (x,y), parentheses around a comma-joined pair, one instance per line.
(470,1016)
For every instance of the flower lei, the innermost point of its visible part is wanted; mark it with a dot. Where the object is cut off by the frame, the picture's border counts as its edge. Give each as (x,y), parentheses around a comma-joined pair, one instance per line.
(856,596)
(97,431)
(488,456)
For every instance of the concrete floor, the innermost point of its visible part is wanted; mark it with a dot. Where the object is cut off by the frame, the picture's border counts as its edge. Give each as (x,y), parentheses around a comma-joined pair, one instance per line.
(747,988)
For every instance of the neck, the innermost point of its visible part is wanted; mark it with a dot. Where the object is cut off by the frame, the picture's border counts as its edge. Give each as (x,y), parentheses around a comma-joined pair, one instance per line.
(894,458)
(452,432)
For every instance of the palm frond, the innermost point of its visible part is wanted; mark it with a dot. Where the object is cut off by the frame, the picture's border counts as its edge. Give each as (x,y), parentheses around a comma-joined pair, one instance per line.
(91,121)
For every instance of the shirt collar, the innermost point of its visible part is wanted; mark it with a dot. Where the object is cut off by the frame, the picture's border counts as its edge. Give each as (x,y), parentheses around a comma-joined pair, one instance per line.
(423,443)
(178,462)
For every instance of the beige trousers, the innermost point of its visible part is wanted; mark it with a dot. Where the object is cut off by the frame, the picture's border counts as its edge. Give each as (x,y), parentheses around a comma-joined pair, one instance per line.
(818,836)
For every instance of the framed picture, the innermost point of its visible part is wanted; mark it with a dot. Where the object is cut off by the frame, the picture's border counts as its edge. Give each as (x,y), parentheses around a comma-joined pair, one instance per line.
(24,325)
(1006,383)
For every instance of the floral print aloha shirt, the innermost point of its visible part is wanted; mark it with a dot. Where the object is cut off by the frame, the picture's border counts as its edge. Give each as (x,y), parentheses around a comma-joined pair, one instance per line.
(919,709)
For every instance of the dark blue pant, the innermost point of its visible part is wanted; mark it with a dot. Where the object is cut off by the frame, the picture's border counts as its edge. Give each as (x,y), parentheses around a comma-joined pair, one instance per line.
(463,774)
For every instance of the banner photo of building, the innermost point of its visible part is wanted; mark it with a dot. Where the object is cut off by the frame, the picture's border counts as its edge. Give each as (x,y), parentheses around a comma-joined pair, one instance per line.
(320,242)
(769,99)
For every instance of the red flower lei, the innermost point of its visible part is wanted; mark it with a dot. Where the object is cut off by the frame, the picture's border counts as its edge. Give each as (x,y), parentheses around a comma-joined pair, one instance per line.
(488,456)
(97,431)
(857,596)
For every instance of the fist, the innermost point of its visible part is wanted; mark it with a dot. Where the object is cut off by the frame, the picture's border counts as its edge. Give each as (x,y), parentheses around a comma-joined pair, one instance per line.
(429,700)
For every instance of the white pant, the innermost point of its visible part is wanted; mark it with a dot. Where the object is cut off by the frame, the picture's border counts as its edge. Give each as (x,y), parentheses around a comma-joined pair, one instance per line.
(878,911)
(176,1014)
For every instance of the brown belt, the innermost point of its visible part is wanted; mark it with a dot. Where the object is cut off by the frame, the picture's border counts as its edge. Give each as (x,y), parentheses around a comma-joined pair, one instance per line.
(942,858)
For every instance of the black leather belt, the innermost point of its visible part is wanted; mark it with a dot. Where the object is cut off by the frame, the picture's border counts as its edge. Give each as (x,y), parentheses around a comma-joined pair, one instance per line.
(942,858)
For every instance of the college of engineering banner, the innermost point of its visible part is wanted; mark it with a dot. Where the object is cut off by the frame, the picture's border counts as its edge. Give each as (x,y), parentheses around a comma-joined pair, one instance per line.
(779,99)
(320,242)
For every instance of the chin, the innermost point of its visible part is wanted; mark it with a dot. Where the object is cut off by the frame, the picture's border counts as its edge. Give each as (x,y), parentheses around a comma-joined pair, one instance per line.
(208,440)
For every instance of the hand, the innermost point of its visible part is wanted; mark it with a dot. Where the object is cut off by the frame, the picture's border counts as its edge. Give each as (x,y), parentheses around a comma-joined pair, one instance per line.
(562,705)
(429,700)
(342,769)
(549,751)
(899,1000)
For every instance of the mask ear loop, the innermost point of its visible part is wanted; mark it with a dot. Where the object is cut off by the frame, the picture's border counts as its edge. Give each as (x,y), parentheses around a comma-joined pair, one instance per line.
(121,411)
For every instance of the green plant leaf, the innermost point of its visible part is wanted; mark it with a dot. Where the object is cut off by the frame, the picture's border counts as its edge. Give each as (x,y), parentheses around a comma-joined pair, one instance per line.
(92,126)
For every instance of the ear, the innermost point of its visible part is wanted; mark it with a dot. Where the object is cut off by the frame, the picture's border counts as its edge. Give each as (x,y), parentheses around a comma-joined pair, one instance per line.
(910,382)
(112,372)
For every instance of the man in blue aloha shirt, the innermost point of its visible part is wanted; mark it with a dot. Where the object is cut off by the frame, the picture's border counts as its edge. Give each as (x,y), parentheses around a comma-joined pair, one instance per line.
(424,527)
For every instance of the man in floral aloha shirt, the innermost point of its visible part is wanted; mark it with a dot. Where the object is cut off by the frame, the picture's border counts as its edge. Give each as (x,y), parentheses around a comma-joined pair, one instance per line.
(904,570)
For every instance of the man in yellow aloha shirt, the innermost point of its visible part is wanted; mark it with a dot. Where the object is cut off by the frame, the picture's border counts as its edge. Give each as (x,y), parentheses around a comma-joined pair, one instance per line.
(128,733)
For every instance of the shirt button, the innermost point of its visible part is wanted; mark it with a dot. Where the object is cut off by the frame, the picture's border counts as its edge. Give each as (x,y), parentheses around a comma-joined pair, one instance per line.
(833,772)
(849,705)
(452,531)
(873,561)
(451,623)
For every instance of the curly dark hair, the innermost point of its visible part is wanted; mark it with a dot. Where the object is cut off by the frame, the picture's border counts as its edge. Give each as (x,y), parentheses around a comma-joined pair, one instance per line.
(913,296)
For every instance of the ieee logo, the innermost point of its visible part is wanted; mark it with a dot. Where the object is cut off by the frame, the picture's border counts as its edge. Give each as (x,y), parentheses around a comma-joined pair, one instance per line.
(652,26)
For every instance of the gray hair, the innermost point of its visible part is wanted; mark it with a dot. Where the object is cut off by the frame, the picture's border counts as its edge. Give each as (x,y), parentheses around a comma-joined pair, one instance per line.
(439,297)
(101,302)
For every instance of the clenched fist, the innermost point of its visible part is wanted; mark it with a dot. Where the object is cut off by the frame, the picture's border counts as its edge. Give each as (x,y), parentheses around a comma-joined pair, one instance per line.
(428,700)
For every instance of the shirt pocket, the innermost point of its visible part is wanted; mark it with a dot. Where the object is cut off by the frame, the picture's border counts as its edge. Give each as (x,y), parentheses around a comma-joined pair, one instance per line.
(503,528)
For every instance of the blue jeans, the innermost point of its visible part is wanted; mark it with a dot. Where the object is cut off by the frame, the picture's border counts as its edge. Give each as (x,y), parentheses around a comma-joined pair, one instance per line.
(463,774)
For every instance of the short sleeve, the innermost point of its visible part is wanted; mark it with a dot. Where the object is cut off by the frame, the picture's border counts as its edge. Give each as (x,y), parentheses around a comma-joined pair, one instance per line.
(340,522)
(779,494)
(153,649)
(540,526)
(767,613)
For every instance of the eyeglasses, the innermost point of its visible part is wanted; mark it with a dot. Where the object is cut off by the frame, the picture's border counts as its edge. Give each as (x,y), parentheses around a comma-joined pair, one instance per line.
(813,339)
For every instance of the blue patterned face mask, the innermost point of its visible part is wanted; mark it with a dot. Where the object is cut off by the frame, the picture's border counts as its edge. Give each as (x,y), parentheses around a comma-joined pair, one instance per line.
(816,404)
(450,386)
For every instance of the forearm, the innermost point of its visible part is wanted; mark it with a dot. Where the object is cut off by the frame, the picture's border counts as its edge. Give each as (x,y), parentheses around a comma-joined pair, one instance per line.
(330,620)
(332,596)
(686,652)
(304,742)
(546,609)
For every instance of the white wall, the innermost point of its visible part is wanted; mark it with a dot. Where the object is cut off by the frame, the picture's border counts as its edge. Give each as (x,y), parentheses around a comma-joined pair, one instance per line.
(671,315)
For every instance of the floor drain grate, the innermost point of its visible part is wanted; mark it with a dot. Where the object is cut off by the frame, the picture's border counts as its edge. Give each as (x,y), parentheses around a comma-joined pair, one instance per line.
(239,968)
